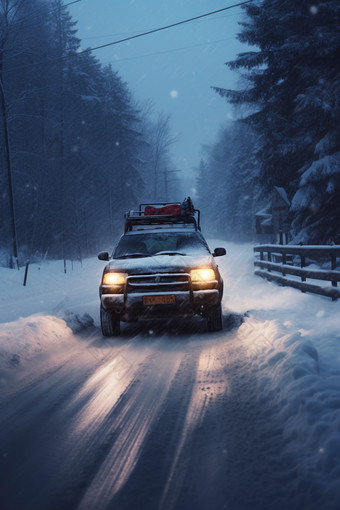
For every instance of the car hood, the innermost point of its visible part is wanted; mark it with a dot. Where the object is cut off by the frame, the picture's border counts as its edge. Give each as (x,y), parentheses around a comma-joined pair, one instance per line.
(161,264)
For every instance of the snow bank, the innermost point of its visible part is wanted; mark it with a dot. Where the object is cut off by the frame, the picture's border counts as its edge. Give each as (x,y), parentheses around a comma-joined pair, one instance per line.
(41,321)
(302,388)
(292,342)
(24,339)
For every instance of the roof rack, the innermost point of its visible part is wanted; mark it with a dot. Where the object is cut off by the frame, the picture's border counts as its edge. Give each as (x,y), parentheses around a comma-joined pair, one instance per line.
(140,219)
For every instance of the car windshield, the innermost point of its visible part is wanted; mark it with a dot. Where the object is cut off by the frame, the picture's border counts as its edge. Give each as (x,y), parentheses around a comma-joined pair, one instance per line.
(156,243)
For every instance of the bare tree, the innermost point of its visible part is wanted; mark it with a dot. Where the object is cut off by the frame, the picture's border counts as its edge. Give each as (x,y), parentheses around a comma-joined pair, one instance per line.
(157,154)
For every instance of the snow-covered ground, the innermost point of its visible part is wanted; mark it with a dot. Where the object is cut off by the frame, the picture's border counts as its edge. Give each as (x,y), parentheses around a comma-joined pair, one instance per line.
(31,316)
(271,423)
(293,340)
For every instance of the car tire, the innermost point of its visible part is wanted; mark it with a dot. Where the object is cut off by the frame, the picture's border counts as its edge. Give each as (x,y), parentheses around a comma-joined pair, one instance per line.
(110,322)
(214,319)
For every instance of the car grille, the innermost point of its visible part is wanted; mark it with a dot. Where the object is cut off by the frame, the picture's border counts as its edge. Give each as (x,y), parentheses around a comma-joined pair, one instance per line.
(169,282)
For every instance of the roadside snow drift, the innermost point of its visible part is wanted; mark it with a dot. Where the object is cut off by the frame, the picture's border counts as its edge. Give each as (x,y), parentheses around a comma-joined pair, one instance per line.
(303,394)
(24,339)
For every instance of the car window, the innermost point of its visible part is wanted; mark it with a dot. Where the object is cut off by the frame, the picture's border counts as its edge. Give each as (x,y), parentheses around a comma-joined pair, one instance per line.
(151,244)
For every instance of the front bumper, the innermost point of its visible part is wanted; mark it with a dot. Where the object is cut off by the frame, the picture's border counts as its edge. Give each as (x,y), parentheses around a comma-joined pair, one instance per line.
(188,301)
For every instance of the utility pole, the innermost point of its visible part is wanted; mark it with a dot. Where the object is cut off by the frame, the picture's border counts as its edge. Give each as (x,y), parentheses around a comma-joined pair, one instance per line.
(9,172)
(166,181)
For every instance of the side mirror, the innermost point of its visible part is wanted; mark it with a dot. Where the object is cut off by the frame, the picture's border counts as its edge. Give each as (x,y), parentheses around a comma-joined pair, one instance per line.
(103,255)
(219,252)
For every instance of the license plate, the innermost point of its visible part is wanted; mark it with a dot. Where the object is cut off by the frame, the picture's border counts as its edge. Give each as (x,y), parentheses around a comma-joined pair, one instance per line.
(159,300)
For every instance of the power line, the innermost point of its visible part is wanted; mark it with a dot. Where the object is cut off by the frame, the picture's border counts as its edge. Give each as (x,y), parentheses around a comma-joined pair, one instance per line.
(127,38)
(169,51)
(146,29)
(165,51)
(44,12)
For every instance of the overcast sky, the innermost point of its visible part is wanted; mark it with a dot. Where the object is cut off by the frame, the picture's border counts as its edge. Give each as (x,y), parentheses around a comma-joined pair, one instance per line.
(178,82)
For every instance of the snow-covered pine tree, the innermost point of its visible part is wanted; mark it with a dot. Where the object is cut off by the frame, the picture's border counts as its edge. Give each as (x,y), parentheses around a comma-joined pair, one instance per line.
(293,94)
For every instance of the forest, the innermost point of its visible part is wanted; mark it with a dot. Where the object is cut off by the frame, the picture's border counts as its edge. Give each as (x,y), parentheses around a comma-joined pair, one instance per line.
(287,132)
(77,149)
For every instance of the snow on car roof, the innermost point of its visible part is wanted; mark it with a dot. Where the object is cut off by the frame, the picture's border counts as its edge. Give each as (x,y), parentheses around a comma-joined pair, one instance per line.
(172,228)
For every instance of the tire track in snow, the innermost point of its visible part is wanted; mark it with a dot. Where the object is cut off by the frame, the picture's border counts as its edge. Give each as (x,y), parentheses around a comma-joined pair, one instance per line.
(154,439)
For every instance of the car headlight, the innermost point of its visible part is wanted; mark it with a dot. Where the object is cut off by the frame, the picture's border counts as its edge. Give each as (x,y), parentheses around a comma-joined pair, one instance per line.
(114,278)
(202,275)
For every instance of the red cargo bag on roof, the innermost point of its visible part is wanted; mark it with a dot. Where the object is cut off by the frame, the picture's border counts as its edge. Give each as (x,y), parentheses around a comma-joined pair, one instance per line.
(167,210)
(184,208)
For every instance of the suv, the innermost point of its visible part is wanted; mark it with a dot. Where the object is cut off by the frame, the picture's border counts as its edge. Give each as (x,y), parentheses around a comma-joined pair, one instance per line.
(161,267)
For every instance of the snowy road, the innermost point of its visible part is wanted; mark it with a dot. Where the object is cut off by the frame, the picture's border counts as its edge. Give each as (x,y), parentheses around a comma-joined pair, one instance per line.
(174,432)
(171,417)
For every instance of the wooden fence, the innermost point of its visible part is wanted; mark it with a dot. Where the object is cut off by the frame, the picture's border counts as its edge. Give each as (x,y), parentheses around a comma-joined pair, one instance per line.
(274,251)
